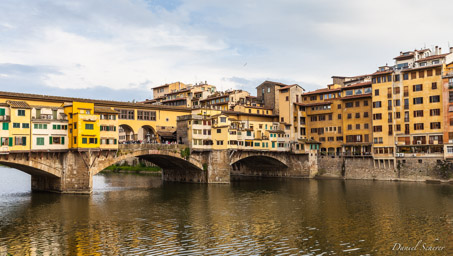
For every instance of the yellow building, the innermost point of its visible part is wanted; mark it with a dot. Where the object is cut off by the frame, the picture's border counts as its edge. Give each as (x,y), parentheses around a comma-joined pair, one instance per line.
(160,91)
(108,125)
(356,115)
(84,129)
(20,131)
(5,140)
(324,119)
(408,108)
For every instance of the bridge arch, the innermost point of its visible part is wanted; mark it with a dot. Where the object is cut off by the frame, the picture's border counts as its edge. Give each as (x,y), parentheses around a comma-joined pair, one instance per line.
(148,134)
(126,133)
(259,163)
(175,166)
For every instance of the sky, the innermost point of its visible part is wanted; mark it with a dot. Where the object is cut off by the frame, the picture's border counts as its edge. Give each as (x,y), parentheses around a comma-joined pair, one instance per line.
(120,49)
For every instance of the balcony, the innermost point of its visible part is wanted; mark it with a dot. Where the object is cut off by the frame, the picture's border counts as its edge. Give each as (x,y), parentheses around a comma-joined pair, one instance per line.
(5,118)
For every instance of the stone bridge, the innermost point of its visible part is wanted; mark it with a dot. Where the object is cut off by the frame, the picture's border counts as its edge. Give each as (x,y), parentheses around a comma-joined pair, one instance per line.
(71,171)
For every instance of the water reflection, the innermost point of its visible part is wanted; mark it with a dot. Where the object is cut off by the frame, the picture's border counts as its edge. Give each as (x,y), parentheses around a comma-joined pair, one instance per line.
(130,214)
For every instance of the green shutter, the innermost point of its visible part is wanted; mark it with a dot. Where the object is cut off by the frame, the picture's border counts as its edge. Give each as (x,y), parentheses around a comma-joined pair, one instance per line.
(24,141)
(115,141)
(10,141)
(5,126)
(2,111)
(50,140)
(62,140)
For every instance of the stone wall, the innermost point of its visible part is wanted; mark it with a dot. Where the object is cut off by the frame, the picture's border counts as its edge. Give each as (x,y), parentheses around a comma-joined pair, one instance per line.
(409,169)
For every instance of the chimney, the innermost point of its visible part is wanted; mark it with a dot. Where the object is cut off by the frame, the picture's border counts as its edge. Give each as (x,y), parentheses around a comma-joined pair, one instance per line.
(436,51)
(451,49)
(440,50)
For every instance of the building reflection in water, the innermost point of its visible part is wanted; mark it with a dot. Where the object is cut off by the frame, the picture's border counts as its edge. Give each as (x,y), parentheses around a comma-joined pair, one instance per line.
(130,214)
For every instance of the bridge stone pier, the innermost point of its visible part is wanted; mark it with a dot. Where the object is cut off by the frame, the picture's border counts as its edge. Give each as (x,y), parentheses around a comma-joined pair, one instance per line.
(71,171)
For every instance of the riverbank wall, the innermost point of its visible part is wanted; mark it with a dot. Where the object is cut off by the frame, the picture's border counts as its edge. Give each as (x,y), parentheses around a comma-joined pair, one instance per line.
(403,169)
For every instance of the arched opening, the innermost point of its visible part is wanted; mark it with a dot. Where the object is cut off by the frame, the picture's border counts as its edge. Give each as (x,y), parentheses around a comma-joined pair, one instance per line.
(258,166)
(126,134)
(40,179)
(147,134)
(176,169)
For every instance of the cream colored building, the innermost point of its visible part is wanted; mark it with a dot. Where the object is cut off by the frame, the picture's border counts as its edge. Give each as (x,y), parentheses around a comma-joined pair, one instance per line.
(49,128)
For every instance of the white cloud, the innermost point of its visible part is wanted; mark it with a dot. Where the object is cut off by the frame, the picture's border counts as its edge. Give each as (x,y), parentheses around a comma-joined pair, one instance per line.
(132,44)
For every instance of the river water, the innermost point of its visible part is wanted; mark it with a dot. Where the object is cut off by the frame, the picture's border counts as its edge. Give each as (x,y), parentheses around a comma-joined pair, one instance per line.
(132,214)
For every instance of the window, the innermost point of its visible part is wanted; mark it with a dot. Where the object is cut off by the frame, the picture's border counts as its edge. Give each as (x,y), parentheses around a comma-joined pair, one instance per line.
(435,125)
(349,105)
(413,75)
(16,125)
(417,87)
(223,119)
(349,126)
(397,115)
(339,106)
(397,103)
(418,126)
(349,92)
(357,103)
(376,92)
(365,114)
(396,90)
(377,116)
(434,86)
(5,126)
(21,112)
(126,114)
(398,127)
(421,73)
(93,140)
(40,141)
(366,126)
(434,112)
(357,126)
(20,141)
(89,126)
(220,142)
(357,115)
(339,116)
(268,89)
(418,100)
(397,78)
(145,115)
(349,116)
(365,103)
(287,98)
(377,104)
(418,113)
(25,125)
(377,128)
(405,76)
(435,98)
(406,91)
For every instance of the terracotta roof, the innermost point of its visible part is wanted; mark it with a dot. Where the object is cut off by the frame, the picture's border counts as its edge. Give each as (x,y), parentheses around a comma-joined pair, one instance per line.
(287,87)
(272,83)
(357,96)
(171,100)
(179,91)
(105,110)
(403,57)
(382,72)
(356,85)
(216,97)
(41,106)
(425,67)
(314,104)
(433,57)
(18,104)
(61,99)
(324,90)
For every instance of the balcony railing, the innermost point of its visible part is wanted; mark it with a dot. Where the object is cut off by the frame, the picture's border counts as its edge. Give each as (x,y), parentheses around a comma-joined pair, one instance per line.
(5,118)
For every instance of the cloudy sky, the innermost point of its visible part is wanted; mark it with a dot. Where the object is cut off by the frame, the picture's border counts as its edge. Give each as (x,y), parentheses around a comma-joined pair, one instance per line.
(119,49)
